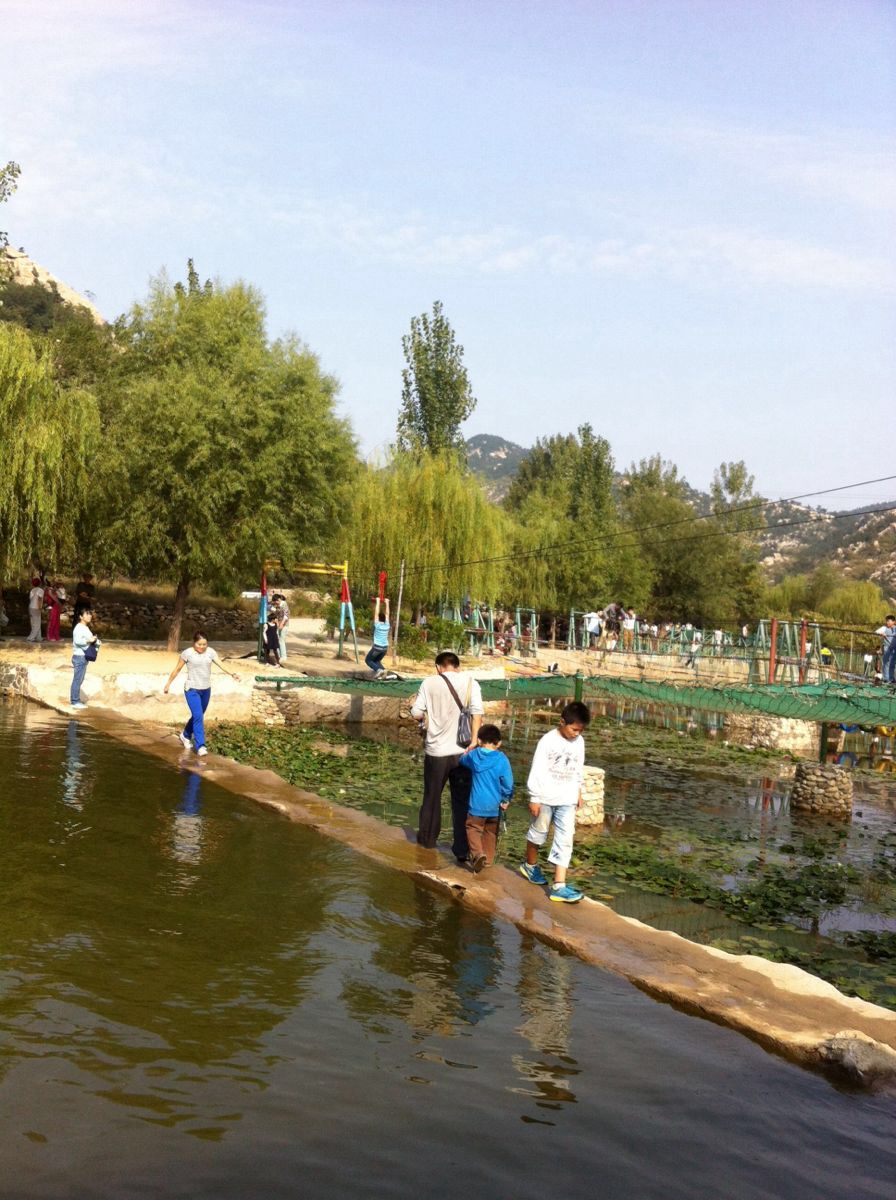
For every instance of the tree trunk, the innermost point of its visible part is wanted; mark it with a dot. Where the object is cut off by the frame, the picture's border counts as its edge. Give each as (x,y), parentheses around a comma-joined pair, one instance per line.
(177,619)
(553,633)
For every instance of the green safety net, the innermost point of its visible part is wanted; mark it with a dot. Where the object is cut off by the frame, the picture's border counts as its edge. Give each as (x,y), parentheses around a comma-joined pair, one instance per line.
(839,703)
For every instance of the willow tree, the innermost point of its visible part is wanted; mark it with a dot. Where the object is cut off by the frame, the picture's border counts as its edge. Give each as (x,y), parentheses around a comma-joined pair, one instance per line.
(227,447)
(49,435)
(429,512)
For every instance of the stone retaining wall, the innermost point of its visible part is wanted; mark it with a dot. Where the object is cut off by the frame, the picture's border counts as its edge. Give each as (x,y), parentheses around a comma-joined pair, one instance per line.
(774,733)
(149,620)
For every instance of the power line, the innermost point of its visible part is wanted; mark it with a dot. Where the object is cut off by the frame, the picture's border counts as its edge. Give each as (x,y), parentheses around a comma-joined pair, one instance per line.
(551,548)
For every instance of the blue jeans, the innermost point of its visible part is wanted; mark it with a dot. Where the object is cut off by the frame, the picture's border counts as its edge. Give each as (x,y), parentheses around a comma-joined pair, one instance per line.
(79,662)
(197,699)
(374,659)
(888,666)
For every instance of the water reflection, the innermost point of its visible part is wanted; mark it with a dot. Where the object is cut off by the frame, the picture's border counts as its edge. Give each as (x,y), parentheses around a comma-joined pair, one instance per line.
(186,842)
(73,784)
(545,995)
(443,960)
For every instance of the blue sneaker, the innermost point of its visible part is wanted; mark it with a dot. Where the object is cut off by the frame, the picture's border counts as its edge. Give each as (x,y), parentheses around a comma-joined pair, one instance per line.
(565,895)
(533,874)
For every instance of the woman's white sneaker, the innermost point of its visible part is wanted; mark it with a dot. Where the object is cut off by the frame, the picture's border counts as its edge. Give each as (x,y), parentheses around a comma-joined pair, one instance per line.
(201,751)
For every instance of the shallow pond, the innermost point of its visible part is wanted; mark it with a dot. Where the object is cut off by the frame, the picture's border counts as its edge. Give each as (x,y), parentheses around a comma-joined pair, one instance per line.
(199,999)
(699,837)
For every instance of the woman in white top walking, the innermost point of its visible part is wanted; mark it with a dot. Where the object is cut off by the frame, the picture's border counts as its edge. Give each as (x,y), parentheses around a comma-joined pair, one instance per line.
(199,660)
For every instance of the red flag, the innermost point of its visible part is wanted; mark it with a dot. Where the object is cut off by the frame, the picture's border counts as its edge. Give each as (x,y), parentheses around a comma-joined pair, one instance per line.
(382,585)
(344,597)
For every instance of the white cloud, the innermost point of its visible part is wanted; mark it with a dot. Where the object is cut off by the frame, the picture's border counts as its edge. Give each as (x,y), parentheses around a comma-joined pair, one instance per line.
(700,253)
(833,165)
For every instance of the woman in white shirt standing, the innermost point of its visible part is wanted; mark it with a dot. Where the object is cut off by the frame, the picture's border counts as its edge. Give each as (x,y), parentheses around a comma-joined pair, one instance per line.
(82,637)
(199,660)
(35,603)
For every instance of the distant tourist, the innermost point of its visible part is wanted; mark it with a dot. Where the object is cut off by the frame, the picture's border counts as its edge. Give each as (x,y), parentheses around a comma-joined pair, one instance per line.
(35,603)
(593,626)
(282,622)
(888,657)
(629,624)
(271,641)
(380,647)
(555,793)
(83,638)
(439,702)
(693,650)
(199,660)
(509,638)
(54,596)
(489,797)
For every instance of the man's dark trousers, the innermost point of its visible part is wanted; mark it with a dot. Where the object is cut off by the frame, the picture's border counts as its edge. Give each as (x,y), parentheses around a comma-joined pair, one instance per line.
(436,771)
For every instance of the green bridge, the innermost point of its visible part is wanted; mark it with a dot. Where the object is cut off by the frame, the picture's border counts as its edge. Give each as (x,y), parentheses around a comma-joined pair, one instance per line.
(836,703)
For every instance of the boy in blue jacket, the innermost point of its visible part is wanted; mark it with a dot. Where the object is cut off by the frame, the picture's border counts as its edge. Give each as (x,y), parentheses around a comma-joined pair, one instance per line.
(492,789)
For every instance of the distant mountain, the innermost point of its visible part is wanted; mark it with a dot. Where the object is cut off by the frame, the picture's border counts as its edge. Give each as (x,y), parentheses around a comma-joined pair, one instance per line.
(496,460)
(19,269)
(797,537)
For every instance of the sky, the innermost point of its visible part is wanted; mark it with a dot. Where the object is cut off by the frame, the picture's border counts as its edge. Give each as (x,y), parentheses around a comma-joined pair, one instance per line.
(671,219)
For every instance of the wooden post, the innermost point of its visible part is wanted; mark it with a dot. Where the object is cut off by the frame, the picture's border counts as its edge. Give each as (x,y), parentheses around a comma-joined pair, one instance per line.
(773,650)
(397,615)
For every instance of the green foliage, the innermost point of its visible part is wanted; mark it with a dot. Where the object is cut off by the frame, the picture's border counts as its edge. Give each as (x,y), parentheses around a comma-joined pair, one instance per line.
(733,498)
(436,397)
(445,634)
(561,501)
(429,511)
(411,644)
(9,175)
(50,434)
(826,594)
(699,570)
(82,349)
(226,449)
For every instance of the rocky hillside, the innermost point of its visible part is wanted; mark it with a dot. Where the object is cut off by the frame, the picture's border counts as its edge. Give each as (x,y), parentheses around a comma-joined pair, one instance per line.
(797,538)
(496,460)
(19,269)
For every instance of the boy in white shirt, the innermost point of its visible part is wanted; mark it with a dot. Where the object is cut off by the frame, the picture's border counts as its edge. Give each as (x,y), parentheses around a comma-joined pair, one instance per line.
(555,793)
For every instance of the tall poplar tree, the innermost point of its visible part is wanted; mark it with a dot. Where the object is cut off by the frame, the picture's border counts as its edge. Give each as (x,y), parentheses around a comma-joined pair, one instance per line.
(436,396)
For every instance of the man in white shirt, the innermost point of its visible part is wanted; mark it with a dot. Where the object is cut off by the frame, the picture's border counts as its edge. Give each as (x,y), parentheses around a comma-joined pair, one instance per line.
(592,624)
(436,702)
(35,603)
(888,656)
